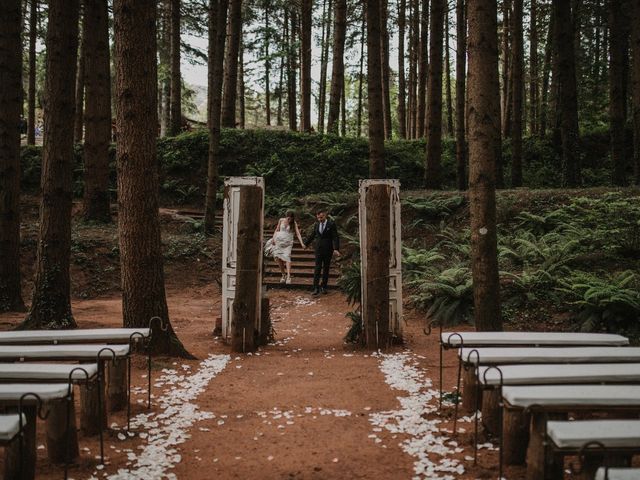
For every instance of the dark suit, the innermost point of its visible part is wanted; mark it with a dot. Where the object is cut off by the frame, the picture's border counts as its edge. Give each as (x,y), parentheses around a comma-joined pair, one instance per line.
(326,243)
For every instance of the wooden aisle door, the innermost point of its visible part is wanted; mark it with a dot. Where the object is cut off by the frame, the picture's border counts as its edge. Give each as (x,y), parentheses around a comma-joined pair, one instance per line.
(395,260)
(231,212)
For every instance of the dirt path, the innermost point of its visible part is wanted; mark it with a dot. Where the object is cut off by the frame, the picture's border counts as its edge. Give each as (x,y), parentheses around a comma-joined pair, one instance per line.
(305,407)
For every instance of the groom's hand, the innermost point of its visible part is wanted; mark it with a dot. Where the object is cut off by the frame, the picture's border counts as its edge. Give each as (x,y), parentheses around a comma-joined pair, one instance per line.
(337,252)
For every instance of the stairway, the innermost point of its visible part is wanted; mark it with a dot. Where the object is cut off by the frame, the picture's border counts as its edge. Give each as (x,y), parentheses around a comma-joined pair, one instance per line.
(302,264)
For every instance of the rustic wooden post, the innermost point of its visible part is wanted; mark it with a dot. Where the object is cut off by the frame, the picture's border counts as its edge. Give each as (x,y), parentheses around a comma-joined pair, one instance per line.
(470,389)
(265,321)
(117,391)
(491,410)
(376,281)
(515,436)
(12,452)
(245,303)
(537,468)
(90,412)
(62,441)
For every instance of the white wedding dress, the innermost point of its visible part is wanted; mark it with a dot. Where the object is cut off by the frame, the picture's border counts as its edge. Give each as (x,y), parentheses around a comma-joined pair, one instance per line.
(283,239)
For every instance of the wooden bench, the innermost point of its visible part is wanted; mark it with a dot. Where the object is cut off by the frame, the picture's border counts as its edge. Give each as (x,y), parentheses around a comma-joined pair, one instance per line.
(62,439)
(554,402)
(596,442)
(472,340)
(11,425)
(605,473)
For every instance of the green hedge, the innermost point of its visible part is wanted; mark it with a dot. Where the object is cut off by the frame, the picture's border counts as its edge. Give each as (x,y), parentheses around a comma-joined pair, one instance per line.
(300,164)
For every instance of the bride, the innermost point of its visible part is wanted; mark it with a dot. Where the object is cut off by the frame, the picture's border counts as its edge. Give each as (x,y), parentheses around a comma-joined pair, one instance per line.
(282,242)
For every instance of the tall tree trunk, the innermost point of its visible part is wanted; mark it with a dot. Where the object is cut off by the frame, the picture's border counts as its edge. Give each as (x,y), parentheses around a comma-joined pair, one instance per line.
(231,65)
(267,62)
(78,121)
(337,72)
(461,59)
(217,39)
(544,103)
(343,109)
(434,112)
(568,101)
(448,75)
(176,86)
(374,90)
(533,69)
(324,60)
(280,89)
(10,108)
(305,65)
(241,89)
(164,55)
(384,64)
(506,54)
(517,69)
(617,97)
(635,75)
(361,77)
(96,204)
(484,130)
(31,105)
(402,88)
(143,294)
(414,47)
(51,303)
(292,68)
(423,69)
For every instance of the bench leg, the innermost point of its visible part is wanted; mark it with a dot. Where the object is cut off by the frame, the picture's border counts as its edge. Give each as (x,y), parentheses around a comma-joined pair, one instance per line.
(20,463)
(491,410)
(92,415)
(62,434)
(539,465)
(516,436)
(469,390)
(117,392)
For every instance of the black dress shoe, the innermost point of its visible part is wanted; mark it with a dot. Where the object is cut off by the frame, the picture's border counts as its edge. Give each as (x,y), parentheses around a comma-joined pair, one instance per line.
(315,291)
(323,290)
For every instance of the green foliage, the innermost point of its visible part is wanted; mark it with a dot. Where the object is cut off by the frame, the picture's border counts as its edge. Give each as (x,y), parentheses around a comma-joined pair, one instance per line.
(447,296)
(434,206)
(418,262)
(350,282)
(603,301)
(354,334)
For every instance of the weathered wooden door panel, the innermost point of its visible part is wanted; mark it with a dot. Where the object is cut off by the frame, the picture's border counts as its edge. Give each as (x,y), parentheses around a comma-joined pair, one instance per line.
(395,258)
(231,213)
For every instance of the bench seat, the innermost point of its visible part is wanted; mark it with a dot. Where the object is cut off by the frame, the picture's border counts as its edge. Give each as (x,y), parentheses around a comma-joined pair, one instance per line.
(567,396)
(46,372)
(9,427)
(452,339)
(559,374)
(610,433)
(10,393)
(80,335)
(61,352)
(618,474)
(506,356)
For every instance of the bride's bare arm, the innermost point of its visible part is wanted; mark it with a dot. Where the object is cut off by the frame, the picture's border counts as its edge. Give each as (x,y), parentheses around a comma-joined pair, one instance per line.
(299,236)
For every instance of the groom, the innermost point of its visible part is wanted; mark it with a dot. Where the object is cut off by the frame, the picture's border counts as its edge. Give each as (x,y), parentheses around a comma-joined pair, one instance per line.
(326,244)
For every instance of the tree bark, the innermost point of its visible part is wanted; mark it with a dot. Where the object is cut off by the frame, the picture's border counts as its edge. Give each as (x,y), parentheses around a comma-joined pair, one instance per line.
(517,70)
(533,69)
(423,69)
(241,89)
(361,77)
(461,60)
(434,113)
(217,39)
(31,105)
(484,132)
(96,202)
(143,293)
(324,60)
(243,331)
(374,90)
(402,88)
(635,51)
(305,65)
(447,73)
(544,103)
(568,101)
(51,303)
(10,108)
(343,109)
(267,62)
(164,55)
(337,72)
(280,84)
(384,64)
(377,335)
(617,97)
(506,54)
(176,87)
(292,67)
(78,121)
(231,65)
(414,47)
